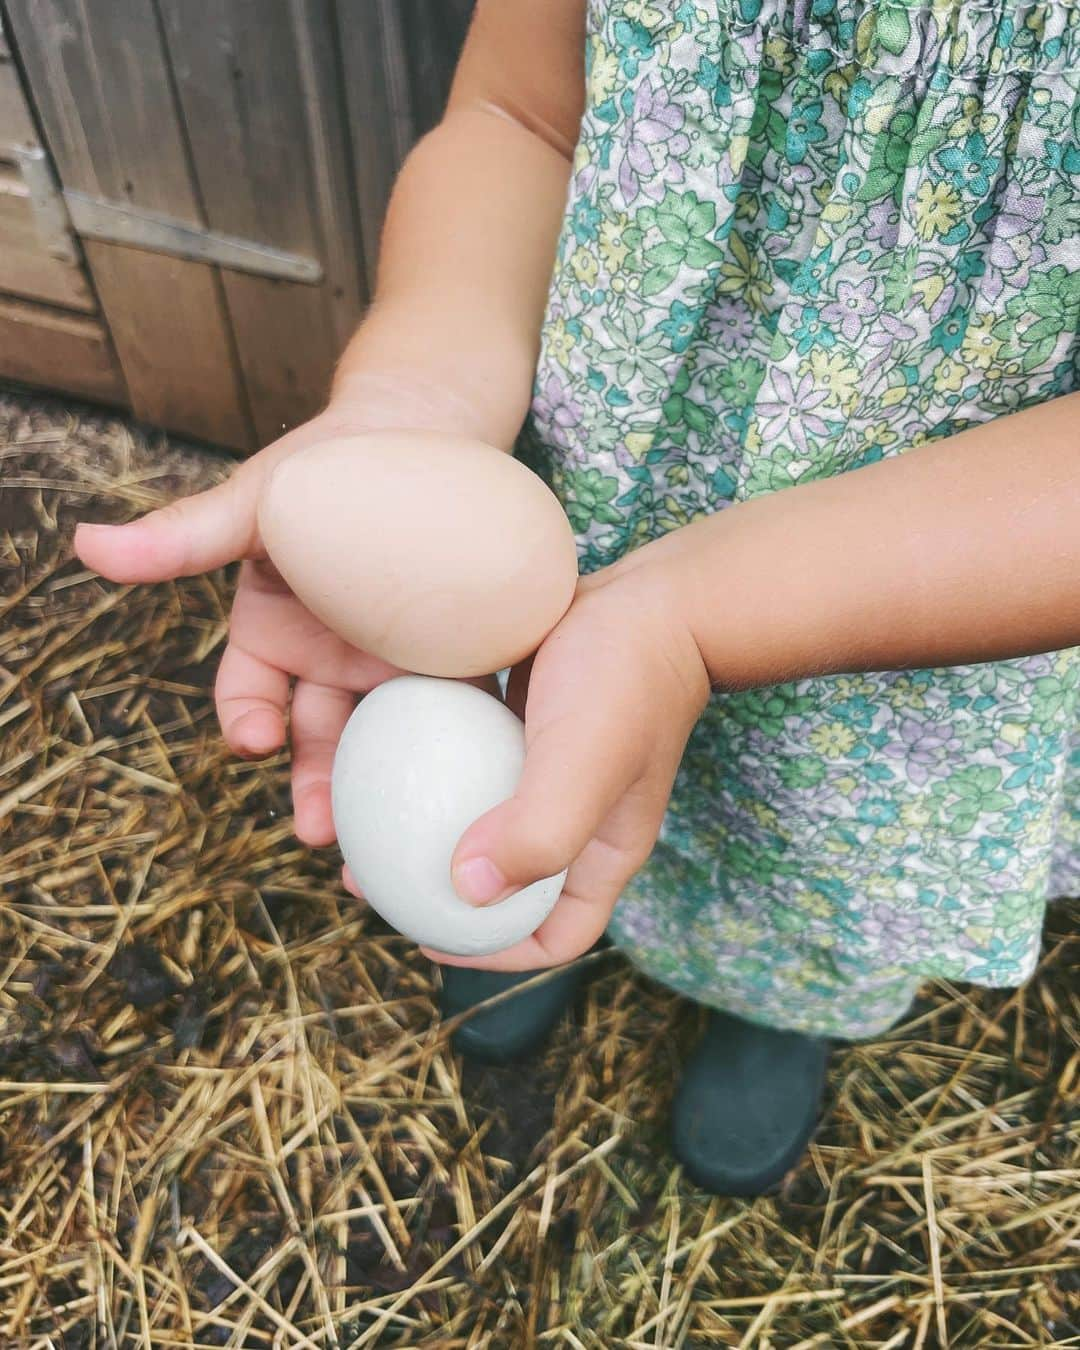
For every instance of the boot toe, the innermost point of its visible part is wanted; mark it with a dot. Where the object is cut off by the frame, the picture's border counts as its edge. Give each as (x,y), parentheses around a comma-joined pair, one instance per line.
(514,1027)
(730,1158)
(747,1106)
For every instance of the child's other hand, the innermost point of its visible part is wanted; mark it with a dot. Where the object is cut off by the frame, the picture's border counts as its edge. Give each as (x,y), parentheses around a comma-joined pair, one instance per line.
(612,695)
(273,638)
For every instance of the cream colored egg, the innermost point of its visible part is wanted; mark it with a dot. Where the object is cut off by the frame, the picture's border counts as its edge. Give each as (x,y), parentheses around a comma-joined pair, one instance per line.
(438,554)
(419,761)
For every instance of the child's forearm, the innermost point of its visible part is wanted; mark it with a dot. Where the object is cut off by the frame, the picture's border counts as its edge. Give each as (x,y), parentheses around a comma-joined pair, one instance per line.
(466,257)
(471,231)
(964,550)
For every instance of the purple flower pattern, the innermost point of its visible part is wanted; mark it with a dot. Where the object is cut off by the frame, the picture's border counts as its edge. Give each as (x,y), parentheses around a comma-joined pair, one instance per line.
(652,142)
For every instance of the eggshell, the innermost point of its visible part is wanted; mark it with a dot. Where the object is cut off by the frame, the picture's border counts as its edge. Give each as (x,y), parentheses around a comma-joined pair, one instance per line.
(419,760)
(441,555)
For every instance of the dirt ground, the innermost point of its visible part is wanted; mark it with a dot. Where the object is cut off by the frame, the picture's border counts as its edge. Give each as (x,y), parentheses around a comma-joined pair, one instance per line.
(228,1115)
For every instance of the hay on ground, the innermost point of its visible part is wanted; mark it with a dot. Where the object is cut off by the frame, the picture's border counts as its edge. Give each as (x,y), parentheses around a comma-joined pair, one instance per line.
(228,1117)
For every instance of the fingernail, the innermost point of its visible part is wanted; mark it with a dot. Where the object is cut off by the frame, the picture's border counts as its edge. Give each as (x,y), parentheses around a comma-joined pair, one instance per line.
(92,527)
(479,881)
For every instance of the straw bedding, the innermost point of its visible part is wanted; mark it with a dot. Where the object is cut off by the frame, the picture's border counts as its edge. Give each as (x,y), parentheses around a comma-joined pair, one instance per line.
(229,1117)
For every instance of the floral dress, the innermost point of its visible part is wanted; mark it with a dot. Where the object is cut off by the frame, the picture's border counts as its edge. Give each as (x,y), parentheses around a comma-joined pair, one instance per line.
(803,235)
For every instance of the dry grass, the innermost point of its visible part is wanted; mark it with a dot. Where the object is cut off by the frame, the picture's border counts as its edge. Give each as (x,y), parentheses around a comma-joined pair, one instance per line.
(228,1117)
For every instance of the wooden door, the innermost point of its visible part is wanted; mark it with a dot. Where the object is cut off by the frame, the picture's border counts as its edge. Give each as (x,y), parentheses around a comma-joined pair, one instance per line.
(272,128)
(51,331)
(399,58)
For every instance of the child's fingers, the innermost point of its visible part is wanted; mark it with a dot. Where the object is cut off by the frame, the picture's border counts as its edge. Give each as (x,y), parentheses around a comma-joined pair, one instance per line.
(571,928)
(191,535)
(250,696)
(577,766)
(596,880)
(318,715)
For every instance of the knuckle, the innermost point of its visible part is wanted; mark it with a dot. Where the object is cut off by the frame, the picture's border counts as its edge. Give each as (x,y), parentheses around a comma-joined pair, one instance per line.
(173,514)
(544,851)
(170,538)
(566,947)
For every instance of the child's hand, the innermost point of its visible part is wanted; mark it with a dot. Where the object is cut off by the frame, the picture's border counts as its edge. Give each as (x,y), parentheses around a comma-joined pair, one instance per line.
(612,696)
(273,638)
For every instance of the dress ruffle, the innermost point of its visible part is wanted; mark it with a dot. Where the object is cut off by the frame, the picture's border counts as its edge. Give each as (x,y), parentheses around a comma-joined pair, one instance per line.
(926,38)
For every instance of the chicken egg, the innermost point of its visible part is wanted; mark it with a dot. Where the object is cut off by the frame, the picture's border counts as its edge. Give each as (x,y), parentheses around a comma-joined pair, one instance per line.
(419,761)
(439,554)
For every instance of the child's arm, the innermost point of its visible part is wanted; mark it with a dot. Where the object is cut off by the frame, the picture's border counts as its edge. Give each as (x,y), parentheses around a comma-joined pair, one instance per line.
(451,340)
(962,551)
(449,345)
(470,233)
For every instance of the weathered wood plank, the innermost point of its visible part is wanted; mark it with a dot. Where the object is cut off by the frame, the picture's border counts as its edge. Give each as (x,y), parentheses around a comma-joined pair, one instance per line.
(26,266)
(323,95)
(380,119)
(103,91)
(434,36)
(399,58)
(16,124)
(47,347)
(256,83)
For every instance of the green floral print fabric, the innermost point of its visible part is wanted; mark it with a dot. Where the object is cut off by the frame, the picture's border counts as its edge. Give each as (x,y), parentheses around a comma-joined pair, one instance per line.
(802,235)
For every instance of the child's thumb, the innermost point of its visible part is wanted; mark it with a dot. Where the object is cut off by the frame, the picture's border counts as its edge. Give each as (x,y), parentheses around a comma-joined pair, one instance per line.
(575,772)
(190,535)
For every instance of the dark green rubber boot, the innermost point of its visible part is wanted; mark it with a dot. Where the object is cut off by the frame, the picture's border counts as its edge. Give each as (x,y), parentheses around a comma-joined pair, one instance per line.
(515,1026)
(747,1105)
